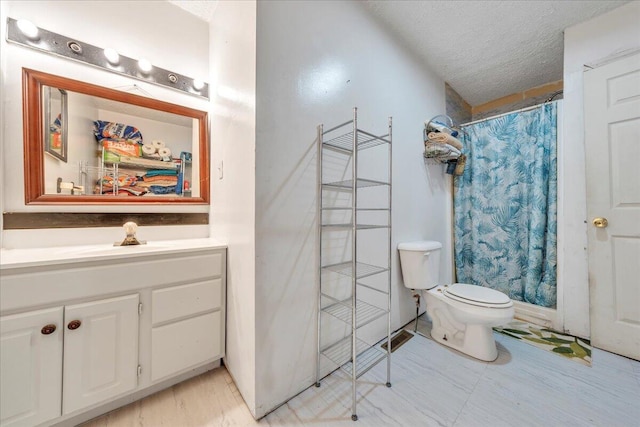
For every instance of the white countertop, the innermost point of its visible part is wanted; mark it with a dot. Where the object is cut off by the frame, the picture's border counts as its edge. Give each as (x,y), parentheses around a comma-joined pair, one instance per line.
(20,258)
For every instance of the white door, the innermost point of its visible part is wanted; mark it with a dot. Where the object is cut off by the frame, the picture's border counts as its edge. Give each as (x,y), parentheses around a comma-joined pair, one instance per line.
(100,351)
(30,367)
(612,143)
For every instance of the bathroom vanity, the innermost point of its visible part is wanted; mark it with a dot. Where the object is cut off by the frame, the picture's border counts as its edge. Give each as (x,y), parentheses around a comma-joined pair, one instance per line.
(87,329)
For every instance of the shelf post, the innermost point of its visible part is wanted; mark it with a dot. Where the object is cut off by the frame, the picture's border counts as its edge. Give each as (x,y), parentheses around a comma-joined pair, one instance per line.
(354,275)
(319,257)
(390,201)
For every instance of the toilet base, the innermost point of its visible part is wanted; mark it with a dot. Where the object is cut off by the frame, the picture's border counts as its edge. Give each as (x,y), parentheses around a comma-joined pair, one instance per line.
(463,327)
(476,341)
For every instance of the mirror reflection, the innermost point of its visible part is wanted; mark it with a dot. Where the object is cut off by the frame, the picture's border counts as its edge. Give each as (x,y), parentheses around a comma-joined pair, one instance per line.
(55,122)
(111,146)
(123,151)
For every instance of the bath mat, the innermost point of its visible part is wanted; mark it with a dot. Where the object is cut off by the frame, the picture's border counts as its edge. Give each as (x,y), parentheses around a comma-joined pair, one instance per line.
(399,339)
(573,348)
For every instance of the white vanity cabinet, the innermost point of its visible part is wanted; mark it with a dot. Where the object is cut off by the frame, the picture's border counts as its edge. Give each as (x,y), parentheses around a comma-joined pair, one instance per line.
(99,341)
(84,335)
(31,367)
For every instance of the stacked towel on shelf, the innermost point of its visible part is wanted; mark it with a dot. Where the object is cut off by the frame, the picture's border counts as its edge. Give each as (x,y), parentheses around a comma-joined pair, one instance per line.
(162,189)
(160,181)
(125,191)
(125,185)
(440,151)
(161,172)
(444,138)
(436,126)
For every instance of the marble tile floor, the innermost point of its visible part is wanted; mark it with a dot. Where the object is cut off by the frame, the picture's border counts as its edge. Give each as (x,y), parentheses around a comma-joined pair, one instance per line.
(432,386)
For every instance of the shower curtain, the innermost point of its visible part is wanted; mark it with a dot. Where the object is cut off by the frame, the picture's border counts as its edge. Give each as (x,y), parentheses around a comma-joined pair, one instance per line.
(505,206)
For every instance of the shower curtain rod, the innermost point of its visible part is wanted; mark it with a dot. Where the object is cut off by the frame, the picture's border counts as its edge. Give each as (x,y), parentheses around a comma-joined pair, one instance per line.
(533,107)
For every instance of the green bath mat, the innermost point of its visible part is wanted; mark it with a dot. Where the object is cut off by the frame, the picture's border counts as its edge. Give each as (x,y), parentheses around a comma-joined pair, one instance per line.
(573,348)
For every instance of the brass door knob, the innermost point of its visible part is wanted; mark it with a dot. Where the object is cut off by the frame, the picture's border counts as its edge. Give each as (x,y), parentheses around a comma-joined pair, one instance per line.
(48,329)
(600,222)
(74,324)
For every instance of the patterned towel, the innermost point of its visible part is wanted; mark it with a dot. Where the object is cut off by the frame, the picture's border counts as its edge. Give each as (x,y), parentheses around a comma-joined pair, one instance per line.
(444,138)
(440,151)
(116,131)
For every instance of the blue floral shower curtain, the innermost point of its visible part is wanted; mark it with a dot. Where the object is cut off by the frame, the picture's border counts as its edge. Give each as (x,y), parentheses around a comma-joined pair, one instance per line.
(505,206)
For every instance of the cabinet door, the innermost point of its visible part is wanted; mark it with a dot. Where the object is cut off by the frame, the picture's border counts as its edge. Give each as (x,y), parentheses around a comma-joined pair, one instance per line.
(100,351)
(30,367)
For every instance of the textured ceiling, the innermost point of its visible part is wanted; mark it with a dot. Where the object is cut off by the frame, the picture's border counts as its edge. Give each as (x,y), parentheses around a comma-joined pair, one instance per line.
(487,49)
(201,8)
(484,49)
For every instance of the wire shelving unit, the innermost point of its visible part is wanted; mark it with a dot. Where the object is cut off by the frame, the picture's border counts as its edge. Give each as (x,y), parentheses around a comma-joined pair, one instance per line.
(351,353)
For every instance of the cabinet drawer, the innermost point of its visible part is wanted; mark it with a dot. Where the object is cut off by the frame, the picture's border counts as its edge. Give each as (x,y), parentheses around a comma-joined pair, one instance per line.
(185,300)
(185,344)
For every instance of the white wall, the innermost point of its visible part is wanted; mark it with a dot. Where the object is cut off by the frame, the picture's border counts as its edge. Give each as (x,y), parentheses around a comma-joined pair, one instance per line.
(592,41)
(168,36)
(233,130)
(315,61)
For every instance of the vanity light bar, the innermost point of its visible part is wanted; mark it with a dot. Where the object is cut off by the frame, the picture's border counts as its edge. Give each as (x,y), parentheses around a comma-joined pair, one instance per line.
(56,44)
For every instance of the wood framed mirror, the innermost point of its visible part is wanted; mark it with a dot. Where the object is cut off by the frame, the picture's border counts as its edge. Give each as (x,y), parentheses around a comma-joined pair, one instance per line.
(119,147)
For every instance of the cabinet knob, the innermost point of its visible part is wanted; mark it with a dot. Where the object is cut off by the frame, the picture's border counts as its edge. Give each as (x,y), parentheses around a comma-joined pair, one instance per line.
(48,329)
(74,324)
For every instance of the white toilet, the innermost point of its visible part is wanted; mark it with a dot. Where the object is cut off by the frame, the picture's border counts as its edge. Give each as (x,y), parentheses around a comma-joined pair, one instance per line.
(462,315)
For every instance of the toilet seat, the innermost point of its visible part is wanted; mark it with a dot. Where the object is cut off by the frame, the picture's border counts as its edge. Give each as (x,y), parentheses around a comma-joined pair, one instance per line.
(477,295)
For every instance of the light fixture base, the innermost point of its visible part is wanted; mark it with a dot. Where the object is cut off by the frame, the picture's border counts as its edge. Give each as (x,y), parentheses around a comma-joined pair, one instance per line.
(59,45)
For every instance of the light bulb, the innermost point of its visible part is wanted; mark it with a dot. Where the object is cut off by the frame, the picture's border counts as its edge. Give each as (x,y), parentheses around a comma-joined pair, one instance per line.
(144,65)
(198,84)
(28,29)
(112,55)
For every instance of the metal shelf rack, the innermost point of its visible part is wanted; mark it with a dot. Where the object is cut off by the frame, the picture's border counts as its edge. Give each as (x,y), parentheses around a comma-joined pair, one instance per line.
(350,353)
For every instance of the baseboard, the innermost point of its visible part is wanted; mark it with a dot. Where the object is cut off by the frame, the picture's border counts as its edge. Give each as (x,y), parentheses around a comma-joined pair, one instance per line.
(101,409)
(542,316)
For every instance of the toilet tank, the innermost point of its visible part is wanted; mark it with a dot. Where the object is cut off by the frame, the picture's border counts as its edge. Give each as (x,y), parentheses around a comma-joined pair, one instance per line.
(420,263)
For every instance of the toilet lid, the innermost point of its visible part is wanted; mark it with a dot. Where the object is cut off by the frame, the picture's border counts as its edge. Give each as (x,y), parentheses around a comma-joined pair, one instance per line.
(477,295)
(420,246)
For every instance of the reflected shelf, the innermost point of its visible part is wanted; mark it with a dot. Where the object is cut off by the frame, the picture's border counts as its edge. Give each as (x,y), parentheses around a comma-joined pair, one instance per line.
(141,162)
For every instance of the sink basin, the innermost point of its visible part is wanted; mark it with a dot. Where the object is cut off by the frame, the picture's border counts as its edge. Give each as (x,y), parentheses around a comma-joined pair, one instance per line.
(113,250)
